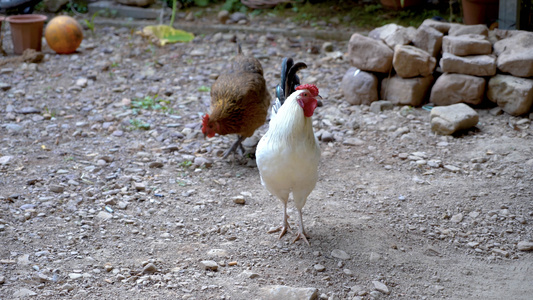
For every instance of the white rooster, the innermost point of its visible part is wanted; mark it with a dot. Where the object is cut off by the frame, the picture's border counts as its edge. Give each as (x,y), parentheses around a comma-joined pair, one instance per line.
(288,154)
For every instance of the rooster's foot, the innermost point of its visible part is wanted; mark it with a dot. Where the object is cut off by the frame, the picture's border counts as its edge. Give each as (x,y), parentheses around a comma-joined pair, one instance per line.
(282,229)
(301,236)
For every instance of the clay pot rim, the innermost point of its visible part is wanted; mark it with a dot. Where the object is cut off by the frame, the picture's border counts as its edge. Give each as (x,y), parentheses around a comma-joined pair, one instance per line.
(26,18)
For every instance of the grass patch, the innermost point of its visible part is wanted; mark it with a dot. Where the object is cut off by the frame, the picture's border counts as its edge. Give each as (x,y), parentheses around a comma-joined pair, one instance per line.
(136,124)
(151,103)
(351,13)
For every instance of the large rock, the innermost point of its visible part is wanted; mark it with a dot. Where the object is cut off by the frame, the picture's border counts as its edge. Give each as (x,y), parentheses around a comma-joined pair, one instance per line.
(477,65)
(517,62)
(278,292)
(513,94)
(460,29)
(443,27)
(457,88)
(406,91)
(139,3)
(410,61)
(369,54)
(359,87)
(393,34)
(447,120)
(468,44)
(428,39)
(518,39)
(515,54)
(500,34)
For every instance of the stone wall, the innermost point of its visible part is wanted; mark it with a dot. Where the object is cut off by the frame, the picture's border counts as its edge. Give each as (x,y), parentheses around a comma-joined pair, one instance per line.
(442,63)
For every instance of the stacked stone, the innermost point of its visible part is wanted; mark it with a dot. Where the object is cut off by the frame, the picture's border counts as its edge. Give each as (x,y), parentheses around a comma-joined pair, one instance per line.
(513,90)
(388,52)
(466,59)
(406,58)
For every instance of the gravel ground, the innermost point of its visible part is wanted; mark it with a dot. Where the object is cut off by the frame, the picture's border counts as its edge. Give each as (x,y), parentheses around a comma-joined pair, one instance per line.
(108,189)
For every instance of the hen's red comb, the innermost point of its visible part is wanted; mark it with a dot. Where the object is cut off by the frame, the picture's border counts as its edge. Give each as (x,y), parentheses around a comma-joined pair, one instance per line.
(310,87)
(205,121)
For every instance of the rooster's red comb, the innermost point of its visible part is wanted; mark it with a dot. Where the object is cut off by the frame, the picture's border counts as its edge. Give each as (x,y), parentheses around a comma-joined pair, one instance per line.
(310,87)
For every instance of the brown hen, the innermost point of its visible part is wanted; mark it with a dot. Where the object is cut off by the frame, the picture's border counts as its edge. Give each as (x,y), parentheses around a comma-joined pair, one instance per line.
(239,101)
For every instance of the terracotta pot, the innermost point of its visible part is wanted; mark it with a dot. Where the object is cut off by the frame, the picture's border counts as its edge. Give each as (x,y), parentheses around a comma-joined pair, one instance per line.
(480,11)
(26,32)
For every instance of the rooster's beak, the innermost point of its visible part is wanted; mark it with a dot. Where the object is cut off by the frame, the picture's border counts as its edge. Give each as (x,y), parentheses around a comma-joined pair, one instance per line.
(319,101)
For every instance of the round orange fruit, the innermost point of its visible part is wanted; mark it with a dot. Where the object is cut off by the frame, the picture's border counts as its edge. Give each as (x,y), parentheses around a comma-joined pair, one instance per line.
(63,34)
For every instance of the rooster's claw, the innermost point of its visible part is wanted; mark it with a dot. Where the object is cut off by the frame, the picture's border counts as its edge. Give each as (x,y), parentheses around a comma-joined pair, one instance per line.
(301,236)
(283,230)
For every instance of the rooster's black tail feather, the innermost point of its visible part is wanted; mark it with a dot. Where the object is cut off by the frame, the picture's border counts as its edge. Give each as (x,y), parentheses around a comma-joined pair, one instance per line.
(289,79)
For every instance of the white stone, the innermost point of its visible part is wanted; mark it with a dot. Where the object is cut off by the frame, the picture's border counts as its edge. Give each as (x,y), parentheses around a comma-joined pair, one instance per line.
(513,94)
(381,287)
(457,88)
(369,54)
(209,265)
(449,119)
(392,34)
(525,246)
(340,254)
(278,292)
(406,91)
(359,87)
(428,39)
(464,45)
(410,61)
(460,29)
(477,65)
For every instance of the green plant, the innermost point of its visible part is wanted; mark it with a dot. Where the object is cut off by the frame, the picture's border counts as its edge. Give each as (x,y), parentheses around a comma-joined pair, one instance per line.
(150,103)
(52,113)
(204,88)
(174,8)
(139,124)
(233,6)
(90,24)
(77,7)
(186,163)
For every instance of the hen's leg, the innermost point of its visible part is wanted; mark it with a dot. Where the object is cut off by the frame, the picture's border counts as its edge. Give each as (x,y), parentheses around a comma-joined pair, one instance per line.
(301,232)
(233,148)
(284,225)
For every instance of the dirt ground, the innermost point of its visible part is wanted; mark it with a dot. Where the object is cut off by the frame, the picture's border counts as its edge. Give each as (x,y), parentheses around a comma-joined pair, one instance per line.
(108,189)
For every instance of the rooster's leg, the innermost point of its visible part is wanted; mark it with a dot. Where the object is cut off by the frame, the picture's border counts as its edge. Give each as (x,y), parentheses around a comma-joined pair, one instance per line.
(233,148)
(284,225)
(301,232)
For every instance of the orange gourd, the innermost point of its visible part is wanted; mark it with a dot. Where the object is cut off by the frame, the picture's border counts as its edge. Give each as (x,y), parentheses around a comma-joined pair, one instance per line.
(63,34)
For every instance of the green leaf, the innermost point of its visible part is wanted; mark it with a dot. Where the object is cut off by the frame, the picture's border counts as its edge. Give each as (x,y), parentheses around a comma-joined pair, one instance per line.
(166,34)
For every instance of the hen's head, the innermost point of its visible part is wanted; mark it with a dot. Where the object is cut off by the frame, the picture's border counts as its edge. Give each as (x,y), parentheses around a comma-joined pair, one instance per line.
(307,98)
(208,127)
